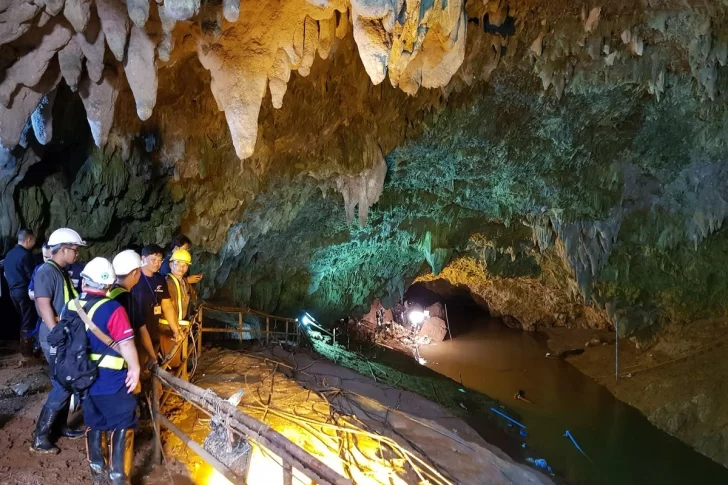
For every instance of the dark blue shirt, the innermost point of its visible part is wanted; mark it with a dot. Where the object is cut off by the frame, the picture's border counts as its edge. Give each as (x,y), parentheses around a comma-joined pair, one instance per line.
(19,266)
(164,270)
(148,293)
(74,271)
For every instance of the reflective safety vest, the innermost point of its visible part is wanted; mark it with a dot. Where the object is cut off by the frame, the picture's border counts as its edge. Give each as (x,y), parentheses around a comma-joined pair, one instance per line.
(114,292)
(69,292)
(182,323)
(112,362)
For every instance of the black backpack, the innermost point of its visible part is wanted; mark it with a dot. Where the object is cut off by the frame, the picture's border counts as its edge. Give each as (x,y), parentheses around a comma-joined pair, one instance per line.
(73,369)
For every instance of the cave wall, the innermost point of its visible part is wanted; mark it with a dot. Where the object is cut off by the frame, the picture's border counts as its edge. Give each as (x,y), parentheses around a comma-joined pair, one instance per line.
(569,171)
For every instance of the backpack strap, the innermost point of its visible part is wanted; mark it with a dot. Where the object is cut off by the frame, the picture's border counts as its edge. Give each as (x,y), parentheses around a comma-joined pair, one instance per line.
(92,326)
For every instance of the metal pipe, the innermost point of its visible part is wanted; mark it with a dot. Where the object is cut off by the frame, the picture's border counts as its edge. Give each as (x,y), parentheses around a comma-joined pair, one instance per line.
(248,426)
(203,453)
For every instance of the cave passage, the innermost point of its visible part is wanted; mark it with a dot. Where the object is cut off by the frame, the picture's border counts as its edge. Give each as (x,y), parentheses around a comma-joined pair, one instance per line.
(621,444)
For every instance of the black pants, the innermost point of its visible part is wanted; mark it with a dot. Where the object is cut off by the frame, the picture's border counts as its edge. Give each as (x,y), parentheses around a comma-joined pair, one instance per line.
(26,308)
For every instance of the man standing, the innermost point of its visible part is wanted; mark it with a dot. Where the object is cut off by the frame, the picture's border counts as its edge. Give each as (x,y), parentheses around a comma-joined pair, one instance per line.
(53,289)
(127,266)
(19,266)
(110,406)
(179,242)
(151,297)
(182,294)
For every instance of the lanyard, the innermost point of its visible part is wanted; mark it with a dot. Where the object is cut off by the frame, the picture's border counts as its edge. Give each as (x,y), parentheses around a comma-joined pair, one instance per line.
(154,293)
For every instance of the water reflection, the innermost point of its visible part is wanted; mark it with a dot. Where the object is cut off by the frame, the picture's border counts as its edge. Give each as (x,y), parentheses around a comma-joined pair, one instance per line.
(622,446)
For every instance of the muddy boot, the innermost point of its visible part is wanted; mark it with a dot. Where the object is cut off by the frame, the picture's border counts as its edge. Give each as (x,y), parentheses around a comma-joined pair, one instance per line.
(122,454)
(63,428)
(41,442)
(96,448)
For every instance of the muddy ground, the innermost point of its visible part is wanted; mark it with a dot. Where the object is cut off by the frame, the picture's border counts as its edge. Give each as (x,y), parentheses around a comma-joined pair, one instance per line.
(680,383)
(23,390)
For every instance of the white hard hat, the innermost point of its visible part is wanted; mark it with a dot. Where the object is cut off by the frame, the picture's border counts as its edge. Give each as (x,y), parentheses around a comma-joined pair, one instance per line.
(100,271)
(126,261)
(65,235)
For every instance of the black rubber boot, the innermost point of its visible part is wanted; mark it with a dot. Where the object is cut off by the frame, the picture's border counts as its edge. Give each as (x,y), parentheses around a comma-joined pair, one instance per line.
(96,448)
(63,428)
(121,456)
(41,442)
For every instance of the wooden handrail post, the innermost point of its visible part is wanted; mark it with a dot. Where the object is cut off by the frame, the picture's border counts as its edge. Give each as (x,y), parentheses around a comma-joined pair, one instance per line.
(267,330)
(199,339)
(240,326)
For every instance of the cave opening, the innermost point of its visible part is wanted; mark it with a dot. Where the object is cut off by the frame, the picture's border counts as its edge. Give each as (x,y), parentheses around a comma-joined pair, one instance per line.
(463,310)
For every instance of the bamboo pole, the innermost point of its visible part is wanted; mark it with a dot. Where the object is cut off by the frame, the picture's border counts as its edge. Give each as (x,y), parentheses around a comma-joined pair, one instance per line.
(246,425)
(157,447)
(287,474)
(199,339)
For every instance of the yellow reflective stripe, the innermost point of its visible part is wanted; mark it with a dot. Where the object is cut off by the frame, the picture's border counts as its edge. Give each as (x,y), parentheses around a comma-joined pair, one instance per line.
(66,283)
(90,313)
(182,323)
(179,298)
(115,292)
(109,361)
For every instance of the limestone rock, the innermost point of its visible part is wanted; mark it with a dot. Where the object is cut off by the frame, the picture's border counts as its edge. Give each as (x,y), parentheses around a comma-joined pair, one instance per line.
(70,60)
(13,119)
(42,118)
(231,10)
(16,18)
(182,9)
(92,45)
(115,24)
(138,11)
(99,99)
(365,188)
(78,13)
(28,69)
(436,310)
(141,71)
(52,7)
(435,328)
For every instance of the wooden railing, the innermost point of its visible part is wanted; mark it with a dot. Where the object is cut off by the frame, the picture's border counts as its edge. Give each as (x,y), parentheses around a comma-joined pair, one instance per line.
(275,326)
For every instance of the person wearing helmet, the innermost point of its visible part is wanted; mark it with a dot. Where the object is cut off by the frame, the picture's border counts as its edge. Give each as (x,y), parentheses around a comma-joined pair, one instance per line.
(152,298)
(127,266)
(53,289)
(110,407)
(181,294)
(179,242)
(19,265)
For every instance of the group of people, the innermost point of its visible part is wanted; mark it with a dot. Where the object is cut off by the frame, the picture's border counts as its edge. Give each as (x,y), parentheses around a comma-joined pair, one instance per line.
(141,311)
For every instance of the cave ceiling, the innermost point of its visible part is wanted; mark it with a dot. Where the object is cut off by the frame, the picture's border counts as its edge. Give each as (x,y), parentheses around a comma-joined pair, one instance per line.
(564,160)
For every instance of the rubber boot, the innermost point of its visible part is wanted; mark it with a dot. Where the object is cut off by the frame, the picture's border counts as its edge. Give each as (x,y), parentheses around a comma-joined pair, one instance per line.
(41,442)
(96,448)
(121,456)
(63,428)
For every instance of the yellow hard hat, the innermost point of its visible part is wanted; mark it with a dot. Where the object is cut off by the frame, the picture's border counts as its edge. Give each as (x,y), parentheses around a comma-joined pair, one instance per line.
(181,255)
